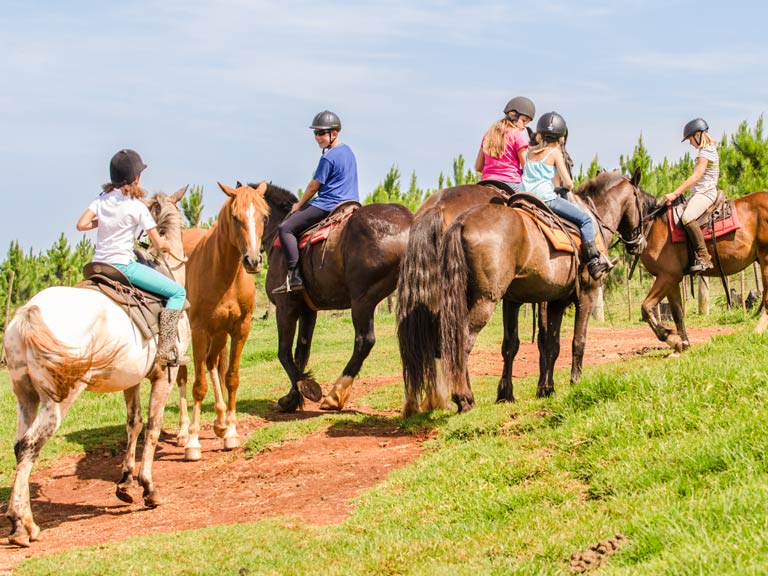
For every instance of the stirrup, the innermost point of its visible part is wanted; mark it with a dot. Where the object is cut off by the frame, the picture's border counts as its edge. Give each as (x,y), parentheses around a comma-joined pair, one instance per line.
(700,266)
(284,287)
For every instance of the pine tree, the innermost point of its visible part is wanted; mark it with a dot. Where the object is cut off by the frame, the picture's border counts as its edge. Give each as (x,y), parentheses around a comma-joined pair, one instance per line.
(192,207)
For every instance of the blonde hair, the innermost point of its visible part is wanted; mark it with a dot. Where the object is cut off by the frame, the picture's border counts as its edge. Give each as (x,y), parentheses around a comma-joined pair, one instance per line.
(132,190)
(544,143)
(495,139)
(706,140)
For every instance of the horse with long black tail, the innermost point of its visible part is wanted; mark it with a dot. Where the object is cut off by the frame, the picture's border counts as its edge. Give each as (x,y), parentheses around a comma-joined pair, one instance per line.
(735,245)
(498,252)
(355,267)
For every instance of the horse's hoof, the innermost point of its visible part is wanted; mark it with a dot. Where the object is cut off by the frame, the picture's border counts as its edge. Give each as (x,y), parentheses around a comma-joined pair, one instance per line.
(330,403)
(152,499)
(675,342)
(674,355)
(231,443)
(289,402)
(123,495)
(182,441)
(219,430)
(310,390)
(193,454)
(21,540)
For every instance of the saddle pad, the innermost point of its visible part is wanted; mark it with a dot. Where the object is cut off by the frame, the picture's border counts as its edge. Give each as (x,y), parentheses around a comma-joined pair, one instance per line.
(558,238)
(321,232)
(722,227)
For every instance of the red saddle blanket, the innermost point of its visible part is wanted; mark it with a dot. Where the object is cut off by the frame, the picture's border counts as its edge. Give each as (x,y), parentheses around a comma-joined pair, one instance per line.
(721,227)
(323,229)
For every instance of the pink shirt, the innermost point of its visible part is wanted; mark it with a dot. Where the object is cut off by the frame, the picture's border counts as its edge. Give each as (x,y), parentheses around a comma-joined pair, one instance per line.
(506,168)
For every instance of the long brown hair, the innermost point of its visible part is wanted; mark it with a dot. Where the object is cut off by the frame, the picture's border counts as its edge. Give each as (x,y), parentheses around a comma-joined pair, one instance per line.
(132,190)
(495,139)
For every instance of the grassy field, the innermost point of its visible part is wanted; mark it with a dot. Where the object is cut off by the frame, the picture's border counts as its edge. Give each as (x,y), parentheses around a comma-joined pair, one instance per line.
(669,454)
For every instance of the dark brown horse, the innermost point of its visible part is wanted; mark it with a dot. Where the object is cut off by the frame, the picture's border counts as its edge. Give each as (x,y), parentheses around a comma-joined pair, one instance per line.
(418,297)
(356,267)
(494,252)
(668,263)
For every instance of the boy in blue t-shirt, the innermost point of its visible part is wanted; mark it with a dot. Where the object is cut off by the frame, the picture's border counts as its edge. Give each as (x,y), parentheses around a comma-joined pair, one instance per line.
(335,181)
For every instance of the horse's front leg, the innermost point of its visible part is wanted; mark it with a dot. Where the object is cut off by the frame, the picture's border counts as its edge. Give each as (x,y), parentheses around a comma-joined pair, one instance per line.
(549,345)
(133,425)
(509,348)
(162,381)
(287,317)
(307,385)
(193,451)
(583,307)
(365,338)
(182,438)
(662,285)
(232,382)
(676,308)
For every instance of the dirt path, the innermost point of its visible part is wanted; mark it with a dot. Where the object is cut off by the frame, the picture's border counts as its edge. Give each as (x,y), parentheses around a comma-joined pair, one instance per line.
(312,478)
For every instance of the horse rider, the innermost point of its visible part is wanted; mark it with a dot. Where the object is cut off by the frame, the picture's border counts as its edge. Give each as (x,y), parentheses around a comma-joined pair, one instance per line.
(703,186)
(504,148)
(545,171)
(119,216)
(335,181)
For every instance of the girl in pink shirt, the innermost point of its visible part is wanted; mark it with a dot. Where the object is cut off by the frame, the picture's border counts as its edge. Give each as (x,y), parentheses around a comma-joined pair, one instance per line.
(504,148)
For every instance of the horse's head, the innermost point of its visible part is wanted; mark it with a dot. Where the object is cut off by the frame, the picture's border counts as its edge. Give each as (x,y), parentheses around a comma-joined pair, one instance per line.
(165,210)
(618,203)
(243,218)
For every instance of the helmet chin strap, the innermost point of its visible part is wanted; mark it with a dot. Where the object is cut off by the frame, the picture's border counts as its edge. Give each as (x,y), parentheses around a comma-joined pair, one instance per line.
(331,140)
(697,138)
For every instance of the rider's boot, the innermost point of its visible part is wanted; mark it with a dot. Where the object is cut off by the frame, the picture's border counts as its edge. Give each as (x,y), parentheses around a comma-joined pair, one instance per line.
(595,264)
(701,260)
(293,282)
(167,353)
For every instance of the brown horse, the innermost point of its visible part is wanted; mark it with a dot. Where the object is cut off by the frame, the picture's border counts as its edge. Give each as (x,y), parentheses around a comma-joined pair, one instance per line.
(356,267)
(494,252)
(221,293)
(668,262)
(417,292)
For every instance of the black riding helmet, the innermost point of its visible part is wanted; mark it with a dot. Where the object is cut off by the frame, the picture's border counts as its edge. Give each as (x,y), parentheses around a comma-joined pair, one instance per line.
(695,125)
(521,105)
(326,120)
(552,124)
(125,166)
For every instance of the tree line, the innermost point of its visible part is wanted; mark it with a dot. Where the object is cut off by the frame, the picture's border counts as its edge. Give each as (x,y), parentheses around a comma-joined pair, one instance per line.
(743,169)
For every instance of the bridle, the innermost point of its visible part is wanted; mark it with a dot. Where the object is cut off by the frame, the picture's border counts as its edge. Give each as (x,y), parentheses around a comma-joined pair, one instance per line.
(635,242)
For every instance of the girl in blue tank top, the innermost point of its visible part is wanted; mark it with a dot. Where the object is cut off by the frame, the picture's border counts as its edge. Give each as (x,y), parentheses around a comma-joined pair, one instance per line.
(544,171)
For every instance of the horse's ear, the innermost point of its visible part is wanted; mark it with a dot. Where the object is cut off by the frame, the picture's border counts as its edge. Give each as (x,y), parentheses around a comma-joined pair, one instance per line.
(636,177)
(179,194)
(262,187)
(238,184)
(227,190)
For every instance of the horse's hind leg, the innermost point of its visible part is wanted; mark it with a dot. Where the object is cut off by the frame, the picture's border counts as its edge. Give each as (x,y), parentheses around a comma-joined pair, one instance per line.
(365,338)
(287,317)
(182,378)
(133,427)
(477,318)
(509,348)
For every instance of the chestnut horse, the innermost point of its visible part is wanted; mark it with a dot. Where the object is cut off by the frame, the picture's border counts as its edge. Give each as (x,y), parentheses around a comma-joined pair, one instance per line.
(668,262)
(494,252)
(66,340)
(417,292)
(356,267)
(221,293)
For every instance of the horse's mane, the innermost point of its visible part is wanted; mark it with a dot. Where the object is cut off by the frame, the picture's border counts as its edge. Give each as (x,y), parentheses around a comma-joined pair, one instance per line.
(603,181)
(278,197)
(169,219)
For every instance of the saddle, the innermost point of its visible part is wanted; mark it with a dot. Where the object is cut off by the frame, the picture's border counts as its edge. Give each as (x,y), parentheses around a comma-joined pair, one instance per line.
(562,234)
(142,307)
(502,187)
(322,230)
(719,219)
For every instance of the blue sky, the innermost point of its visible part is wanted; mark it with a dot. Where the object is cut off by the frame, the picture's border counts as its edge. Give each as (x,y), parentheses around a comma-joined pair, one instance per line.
(224,90)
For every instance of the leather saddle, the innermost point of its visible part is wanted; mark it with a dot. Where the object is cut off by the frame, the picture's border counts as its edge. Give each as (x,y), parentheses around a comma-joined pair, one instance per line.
(719,219)
(322,230)
(142,307)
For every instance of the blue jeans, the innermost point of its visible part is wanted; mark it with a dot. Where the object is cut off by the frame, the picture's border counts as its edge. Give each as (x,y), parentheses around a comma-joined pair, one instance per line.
(153,281)
(570,211)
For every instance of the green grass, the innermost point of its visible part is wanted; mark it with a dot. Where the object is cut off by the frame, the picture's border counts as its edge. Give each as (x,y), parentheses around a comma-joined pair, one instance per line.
(669,452)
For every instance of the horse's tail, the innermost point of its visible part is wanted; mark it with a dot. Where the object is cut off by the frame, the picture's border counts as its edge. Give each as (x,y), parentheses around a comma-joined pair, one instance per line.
(417,302)
(454,307)
(61,366)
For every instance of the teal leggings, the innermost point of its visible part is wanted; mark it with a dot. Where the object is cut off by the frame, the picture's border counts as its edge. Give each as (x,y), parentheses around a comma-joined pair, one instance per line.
(153,281)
